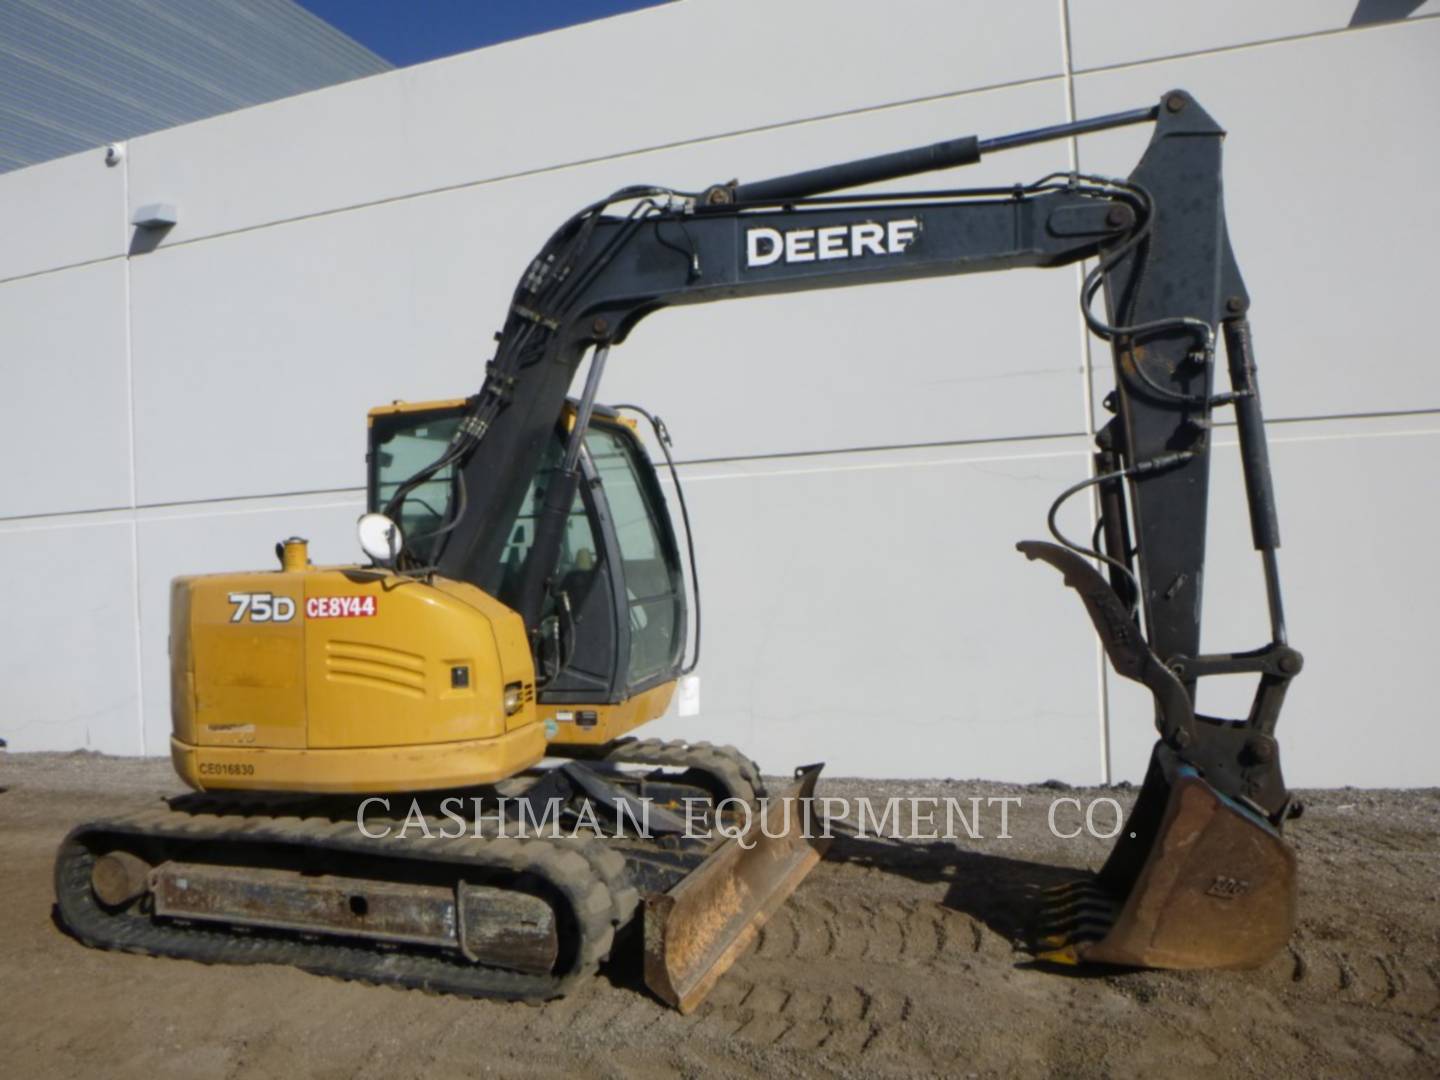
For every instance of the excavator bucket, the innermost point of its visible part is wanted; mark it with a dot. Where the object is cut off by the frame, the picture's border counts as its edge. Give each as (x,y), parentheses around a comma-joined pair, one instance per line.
(1197,880)
(694,932)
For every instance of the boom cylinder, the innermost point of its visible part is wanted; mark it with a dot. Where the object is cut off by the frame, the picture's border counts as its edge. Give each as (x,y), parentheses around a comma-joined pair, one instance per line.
(554,512)
(941,155)
(948,154)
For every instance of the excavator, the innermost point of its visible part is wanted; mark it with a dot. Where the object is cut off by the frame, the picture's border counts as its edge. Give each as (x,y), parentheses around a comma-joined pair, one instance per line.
(527,606)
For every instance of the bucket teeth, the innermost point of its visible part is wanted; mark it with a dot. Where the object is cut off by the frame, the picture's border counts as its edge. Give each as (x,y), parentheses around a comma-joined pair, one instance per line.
(1080,924)
(1079,903)
(1068,939)
(1078,885)
(1060,923)
(1072,915)
(1065,956)
(1076,900)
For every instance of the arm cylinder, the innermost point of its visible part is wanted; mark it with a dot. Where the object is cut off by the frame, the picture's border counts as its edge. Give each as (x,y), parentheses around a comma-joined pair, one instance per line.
(1116,517)
(1255,462)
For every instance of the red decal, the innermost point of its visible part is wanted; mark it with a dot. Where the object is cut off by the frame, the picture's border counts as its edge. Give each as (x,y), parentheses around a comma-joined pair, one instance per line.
(340,607)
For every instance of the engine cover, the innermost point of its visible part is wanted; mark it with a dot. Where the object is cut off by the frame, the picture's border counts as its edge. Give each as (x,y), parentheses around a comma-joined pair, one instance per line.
(347,679)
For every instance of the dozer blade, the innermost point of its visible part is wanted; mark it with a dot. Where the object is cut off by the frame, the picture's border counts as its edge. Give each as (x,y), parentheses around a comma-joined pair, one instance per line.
(694,932)
(1198,880)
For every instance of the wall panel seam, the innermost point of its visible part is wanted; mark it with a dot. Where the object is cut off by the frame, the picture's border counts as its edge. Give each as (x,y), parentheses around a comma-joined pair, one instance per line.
(1087,402)
(137,641)
(543,170)
(59,269)
(1414,20)
(148,511)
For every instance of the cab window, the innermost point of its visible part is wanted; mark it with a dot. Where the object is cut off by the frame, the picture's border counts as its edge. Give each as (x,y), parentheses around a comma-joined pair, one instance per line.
(400,453)
(653,586)
(579,553)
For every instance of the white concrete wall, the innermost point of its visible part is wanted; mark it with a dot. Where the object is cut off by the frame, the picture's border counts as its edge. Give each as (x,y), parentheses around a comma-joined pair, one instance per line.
(179,410)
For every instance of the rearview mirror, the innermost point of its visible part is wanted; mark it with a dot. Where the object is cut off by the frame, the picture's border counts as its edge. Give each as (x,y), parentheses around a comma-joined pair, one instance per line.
(380,538)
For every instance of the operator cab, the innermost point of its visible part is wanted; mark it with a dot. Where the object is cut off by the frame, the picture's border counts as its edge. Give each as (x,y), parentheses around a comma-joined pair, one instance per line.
(614,624)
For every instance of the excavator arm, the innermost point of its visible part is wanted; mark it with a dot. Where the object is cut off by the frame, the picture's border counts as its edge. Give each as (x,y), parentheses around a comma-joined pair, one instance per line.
(1201,877)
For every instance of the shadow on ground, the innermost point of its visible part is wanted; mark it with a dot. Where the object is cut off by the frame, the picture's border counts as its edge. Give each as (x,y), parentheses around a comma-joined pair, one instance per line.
(1006,895)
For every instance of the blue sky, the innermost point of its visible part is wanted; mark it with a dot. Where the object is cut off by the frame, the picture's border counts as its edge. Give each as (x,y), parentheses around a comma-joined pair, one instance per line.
(413,31)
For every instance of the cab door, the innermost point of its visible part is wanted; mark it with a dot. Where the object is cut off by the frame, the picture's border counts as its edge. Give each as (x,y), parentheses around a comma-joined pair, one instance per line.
(615,621)
(651,584)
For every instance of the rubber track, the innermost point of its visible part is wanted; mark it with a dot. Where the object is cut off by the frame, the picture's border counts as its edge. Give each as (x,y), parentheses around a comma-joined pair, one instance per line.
(609,866)
(575,871)
(739,775)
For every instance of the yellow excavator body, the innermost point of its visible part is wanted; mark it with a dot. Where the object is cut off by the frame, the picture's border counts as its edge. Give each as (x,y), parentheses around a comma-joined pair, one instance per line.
(343,679)
(355,680)
(577,727)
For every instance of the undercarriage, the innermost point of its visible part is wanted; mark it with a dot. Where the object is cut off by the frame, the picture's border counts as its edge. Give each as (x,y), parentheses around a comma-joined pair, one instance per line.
(509,891)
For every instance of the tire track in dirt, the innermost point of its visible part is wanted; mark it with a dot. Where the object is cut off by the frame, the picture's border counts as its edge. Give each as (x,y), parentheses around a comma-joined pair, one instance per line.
(786,993)
(915,933)
(774,1011)
(1404,984)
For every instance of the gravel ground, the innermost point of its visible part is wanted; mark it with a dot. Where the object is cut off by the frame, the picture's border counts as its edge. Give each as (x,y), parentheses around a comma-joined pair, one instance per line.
(892,959)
